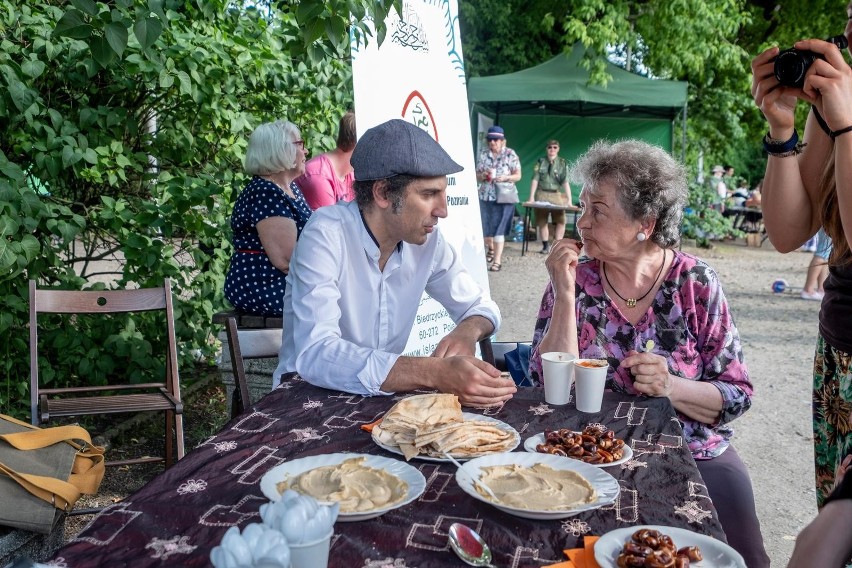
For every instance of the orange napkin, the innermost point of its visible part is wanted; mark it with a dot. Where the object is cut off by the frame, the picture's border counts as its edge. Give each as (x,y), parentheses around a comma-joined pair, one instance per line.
(369,427)
(580,557)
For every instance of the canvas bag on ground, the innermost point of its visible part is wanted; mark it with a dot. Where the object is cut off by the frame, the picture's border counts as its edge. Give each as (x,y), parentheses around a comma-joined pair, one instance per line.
(43,472)
(507,192)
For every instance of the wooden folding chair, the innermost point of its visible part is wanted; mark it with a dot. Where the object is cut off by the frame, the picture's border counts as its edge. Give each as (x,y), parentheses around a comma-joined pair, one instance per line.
(243,345)
(164,396)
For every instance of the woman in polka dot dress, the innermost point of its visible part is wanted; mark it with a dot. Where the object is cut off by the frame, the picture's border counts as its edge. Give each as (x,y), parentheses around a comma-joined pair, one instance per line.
(268,218)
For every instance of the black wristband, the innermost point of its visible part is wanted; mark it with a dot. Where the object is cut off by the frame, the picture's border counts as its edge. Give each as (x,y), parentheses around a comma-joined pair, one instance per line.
(779,149)
(835,133)
(773,146)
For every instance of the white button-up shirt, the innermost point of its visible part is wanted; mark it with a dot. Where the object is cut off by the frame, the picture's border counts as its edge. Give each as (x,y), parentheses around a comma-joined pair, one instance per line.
(345,321)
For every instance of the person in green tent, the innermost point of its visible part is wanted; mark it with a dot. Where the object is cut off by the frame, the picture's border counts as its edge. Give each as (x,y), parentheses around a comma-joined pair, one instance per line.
(550,184)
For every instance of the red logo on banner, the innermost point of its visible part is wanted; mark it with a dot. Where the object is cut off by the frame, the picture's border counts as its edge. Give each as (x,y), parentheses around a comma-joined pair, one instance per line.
(416,111)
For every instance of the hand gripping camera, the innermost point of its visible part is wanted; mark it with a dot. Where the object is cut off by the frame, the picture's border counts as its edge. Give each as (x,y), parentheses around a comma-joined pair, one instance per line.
(792,64)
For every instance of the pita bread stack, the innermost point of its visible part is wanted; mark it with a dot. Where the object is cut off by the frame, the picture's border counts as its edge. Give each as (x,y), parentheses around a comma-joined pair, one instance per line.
(432,424)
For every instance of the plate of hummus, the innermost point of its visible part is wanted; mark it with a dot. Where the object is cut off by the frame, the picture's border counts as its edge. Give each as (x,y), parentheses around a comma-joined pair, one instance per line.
(366,486)
(538,486)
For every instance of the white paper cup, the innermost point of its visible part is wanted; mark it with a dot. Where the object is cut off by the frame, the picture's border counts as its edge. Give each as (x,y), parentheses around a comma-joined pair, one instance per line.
(589,383)
(558,368)
(311,554)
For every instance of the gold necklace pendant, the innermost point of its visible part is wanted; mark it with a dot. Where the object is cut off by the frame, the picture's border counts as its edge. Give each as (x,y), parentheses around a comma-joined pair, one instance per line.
(631,302)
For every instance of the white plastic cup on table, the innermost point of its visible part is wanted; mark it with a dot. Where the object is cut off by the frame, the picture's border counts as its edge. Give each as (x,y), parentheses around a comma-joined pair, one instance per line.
(311,554)
(589,383)
(558,368)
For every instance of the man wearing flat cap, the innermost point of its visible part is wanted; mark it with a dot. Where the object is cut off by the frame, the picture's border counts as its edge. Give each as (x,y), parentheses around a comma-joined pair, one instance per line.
(360,269)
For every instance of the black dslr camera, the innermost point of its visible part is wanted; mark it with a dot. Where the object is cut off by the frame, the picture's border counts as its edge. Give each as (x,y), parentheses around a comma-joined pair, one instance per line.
(792,64)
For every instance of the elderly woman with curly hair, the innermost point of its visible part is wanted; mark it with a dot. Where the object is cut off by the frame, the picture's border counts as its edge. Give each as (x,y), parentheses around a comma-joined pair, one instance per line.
(634,285)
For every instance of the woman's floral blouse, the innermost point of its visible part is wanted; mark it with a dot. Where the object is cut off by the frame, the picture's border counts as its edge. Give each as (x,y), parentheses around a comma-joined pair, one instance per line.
(691,326)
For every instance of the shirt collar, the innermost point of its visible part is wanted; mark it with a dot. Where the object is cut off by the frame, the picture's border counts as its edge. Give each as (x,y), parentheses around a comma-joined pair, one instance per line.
(372,236)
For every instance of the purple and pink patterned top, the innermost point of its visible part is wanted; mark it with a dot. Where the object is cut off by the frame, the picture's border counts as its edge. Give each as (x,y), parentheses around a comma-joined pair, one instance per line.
(690,324)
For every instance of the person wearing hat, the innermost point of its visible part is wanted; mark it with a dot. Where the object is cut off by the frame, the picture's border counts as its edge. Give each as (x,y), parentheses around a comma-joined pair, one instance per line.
(360,270)
(550,175)
(497,170)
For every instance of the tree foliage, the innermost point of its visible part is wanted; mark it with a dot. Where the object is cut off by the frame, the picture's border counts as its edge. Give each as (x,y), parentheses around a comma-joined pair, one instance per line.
(125,125)
(708,44)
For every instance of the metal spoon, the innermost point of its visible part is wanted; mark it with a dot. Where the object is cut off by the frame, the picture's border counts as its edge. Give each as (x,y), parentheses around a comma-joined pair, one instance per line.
(469,546)
(473,479)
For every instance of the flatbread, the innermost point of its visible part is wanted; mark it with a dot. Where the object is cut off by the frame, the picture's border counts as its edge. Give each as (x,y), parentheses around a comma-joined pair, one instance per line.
(433,424)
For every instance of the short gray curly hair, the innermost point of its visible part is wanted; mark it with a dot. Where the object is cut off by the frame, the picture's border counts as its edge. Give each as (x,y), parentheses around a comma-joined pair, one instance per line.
(649,182)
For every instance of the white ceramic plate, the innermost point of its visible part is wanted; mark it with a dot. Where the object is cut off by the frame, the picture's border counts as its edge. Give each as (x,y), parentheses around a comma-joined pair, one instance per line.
(605,484)
(716,553)
(532,442)
(467,416)
(415,480)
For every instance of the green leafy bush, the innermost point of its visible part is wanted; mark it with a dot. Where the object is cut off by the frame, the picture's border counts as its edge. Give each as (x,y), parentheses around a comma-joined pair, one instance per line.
(703,223)
(125,126)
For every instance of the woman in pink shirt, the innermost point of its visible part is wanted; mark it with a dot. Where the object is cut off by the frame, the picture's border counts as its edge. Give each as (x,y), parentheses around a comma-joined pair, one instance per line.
(328,177)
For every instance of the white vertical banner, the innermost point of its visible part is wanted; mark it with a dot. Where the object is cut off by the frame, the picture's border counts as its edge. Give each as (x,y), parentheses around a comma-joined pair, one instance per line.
(418,75)
(483,123)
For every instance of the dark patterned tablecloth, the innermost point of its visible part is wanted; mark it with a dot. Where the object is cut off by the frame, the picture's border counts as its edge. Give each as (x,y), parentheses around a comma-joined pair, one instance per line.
(177,518)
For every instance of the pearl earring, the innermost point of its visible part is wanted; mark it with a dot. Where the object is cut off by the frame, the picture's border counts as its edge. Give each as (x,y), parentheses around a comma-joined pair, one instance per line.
(641,237)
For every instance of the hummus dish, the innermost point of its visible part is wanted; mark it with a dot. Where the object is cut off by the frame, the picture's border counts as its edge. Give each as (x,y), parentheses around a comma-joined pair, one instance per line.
(538,488)
(357,487)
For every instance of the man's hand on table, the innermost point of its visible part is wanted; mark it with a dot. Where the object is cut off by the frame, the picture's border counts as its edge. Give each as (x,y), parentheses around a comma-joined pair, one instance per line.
(475,382)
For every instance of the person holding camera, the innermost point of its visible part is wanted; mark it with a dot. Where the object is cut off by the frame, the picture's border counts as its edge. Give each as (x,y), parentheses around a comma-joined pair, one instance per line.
(808,186)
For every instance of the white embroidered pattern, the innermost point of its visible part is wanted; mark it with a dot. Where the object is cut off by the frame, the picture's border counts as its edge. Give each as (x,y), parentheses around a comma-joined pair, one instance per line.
(165,548)
(692,511)
(115,518)
(306,434)
(635,414)
(232,515)
(576,527)
(311,404)
(58,563)
(221,447)
(386,563)
(192,486)
(254,422)
(698,490)
(541,409)
(632,464)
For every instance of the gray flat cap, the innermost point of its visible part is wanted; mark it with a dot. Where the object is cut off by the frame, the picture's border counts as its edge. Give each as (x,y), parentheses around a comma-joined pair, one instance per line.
(397,147)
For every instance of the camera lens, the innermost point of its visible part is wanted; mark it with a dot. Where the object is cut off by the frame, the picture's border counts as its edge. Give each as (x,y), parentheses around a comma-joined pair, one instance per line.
(791,66)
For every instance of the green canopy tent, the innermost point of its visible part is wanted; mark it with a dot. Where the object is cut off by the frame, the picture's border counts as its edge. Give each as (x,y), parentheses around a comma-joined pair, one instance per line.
(555,101)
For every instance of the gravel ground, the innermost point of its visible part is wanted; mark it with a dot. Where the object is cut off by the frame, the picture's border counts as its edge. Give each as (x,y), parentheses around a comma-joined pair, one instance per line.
(778,332)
